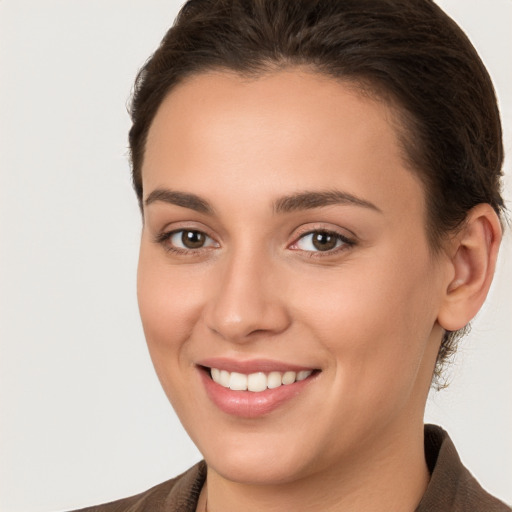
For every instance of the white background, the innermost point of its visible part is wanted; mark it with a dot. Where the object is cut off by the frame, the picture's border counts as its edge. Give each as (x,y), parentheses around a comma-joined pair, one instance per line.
(83,418)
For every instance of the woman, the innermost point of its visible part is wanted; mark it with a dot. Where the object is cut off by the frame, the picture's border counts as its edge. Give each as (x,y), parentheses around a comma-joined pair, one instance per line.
(320,189)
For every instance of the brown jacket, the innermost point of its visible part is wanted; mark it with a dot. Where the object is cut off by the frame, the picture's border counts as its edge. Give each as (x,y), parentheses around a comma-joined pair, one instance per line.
(452,488)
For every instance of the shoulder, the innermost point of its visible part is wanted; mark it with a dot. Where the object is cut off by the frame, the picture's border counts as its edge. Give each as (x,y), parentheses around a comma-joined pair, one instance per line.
(178,494)
(452,487)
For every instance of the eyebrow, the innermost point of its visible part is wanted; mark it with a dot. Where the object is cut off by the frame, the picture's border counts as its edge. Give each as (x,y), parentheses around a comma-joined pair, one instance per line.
(295,202)
(311,200)
(183,199)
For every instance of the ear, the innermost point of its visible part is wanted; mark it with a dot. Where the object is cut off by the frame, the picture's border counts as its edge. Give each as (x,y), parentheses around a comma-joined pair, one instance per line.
(473,253)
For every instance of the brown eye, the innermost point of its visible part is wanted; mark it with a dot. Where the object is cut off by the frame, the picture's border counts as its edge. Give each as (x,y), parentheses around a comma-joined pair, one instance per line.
(193,239)
(187,240)
(321,241)
(324,241)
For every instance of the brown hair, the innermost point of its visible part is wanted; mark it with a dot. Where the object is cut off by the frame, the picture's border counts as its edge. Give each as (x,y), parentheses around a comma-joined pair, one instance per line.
(408,52)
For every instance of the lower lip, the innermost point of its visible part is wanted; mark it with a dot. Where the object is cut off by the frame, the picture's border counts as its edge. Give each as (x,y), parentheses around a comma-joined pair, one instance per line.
(249,404)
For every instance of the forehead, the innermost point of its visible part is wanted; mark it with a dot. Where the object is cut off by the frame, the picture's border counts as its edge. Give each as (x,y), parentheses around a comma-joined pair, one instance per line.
(295,102)
(289,129)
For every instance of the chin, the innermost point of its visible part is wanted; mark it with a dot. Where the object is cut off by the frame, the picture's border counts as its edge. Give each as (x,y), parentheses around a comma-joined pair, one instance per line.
(255,472)
(257,461)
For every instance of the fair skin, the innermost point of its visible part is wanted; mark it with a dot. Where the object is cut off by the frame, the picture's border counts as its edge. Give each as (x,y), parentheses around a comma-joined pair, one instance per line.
(306,250)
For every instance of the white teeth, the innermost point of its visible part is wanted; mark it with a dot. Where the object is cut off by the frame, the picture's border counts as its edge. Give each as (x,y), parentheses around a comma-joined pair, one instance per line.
(274,380)
(289,377)
(304,374)
(238,381)
(216,374)
(223,378)
(256,382)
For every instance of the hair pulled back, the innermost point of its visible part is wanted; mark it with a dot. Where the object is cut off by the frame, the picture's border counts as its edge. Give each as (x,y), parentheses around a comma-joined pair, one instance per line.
(406,52)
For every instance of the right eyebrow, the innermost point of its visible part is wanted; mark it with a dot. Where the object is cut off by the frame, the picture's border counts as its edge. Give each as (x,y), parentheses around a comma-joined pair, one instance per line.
(183,199)
(309,200)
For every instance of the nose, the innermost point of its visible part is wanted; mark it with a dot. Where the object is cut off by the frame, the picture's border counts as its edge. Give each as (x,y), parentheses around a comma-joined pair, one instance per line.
(247,299)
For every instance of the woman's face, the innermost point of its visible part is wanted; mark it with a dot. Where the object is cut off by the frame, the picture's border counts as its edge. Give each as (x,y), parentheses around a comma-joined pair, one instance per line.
(284,239)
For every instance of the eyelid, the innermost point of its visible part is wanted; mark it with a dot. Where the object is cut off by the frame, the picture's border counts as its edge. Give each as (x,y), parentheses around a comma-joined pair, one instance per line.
(314,227)
(183,225)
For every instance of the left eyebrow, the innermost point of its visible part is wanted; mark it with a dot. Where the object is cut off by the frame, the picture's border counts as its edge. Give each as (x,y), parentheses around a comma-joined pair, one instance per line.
(310,200)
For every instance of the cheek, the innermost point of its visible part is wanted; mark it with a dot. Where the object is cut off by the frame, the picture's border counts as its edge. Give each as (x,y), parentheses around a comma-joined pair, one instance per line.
(375,318)
(169,303)
(169,310)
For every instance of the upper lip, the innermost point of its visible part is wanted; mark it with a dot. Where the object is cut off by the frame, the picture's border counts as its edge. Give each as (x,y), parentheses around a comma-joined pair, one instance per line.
(251,365)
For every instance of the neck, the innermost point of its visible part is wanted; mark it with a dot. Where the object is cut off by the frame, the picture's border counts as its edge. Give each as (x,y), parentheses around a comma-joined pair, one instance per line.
(390,476)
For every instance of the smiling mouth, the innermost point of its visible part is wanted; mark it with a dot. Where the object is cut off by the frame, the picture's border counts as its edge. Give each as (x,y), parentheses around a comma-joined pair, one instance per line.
(253,389)
(258,381)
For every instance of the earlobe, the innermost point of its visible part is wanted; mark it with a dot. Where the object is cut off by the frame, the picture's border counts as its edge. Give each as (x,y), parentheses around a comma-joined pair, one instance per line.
(474,252)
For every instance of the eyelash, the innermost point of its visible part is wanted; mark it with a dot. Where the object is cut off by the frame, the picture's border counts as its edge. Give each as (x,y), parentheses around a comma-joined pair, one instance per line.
(342,242)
